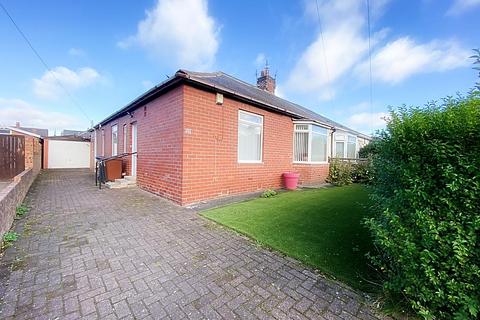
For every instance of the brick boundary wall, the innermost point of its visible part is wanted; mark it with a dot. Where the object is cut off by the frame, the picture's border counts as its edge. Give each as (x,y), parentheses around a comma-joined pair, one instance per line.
(11,196)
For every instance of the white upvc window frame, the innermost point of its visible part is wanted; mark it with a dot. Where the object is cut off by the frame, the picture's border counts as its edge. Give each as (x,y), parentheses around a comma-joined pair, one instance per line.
(125,138)
(261,135)
(347,142)
(114,144)
(343,137)
(95,141)
(310,134)
(103,142)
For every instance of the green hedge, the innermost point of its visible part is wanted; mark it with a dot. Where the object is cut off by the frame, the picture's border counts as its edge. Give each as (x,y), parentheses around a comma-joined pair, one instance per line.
(342,173)
(426,187)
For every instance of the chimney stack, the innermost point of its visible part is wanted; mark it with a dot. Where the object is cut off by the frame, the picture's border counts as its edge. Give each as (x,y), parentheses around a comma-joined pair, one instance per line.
(17,124)
(266,81)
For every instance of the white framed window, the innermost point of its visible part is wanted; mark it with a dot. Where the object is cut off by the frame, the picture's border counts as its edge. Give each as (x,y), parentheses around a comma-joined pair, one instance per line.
(95,141)
(114,140)
(125,139)
(310,143)
(352,147)
(340,149)
(103,142)
(250,137)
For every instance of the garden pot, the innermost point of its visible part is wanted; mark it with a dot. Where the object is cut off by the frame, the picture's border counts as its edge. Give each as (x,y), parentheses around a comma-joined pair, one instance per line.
(290,180)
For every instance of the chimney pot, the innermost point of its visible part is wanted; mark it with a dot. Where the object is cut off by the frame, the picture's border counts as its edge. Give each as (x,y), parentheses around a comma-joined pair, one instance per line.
(17,124)
(265,81)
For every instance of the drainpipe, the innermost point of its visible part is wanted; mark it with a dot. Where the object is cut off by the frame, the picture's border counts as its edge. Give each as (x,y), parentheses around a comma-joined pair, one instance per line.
(331,143)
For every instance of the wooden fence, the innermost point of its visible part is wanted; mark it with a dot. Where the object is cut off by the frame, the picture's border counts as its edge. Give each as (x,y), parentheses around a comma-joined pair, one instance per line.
(12,156)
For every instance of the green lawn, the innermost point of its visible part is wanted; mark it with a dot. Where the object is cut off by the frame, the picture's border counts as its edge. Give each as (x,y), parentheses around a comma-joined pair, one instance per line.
(320,227)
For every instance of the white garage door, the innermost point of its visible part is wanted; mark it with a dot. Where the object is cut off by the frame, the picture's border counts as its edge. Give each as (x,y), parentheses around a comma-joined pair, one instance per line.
(68,154)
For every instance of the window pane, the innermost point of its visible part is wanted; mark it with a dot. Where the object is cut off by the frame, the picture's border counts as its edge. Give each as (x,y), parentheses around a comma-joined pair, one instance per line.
(351,150)
(300,146)
(318,129)
(339,146)
(114,140)
(301,127)
(249,142)
(250,117)
(352,139)
(319,147)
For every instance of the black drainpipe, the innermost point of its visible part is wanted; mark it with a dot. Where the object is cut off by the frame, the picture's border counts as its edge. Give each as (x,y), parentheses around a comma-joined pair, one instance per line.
(331,143)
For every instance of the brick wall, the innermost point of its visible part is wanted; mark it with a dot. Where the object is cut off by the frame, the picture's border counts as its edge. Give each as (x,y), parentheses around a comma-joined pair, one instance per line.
(11,196)
(159,144)
(187,148)
(33,152)
(210,166)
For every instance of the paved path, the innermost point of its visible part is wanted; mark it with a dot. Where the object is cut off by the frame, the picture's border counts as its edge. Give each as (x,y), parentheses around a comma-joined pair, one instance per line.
(89,253)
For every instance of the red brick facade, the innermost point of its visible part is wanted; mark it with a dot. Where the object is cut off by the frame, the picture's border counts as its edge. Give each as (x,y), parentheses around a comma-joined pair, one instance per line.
(187,147)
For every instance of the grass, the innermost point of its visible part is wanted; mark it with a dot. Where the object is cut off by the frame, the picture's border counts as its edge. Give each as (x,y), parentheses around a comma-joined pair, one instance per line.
(322,228)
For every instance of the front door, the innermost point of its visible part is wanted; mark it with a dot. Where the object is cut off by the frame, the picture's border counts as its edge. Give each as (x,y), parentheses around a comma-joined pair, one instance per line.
(134,149)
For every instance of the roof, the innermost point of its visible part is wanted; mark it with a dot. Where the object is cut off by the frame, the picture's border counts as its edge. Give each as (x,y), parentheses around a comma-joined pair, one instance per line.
(41,132)
(29,133)
(68,138)
(229,85)
(67,132)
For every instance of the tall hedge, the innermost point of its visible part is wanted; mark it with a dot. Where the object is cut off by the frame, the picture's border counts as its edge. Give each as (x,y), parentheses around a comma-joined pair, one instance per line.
(426,187)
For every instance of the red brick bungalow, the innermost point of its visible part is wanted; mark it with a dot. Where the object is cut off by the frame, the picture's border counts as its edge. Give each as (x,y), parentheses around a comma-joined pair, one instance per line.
(200,136)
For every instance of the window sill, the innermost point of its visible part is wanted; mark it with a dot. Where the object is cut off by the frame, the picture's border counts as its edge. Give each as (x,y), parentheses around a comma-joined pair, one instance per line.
(250,162)
(310,162)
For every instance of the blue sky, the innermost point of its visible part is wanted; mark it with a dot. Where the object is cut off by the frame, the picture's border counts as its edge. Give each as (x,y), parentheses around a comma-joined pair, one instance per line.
(106,53)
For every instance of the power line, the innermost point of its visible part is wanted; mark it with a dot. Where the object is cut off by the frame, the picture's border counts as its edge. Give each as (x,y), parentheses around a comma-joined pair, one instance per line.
(43,62)
(370,53)
(323,43)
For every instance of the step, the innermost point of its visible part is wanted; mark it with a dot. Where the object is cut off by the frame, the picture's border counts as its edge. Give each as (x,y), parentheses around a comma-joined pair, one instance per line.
(120,183)
(130,178)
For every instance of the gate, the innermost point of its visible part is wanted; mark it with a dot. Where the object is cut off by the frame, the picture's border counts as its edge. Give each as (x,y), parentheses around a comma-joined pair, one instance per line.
(12,156)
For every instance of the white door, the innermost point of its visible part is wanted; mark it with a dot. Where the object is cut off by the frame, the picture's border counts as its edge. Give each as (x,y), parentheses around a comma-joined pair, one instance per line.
(68,154)
(134,149)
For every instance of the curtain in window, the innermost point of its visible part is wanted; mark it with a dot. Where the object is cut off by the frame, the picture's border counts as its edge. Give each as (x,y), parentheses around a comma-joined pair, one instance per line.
(301,146)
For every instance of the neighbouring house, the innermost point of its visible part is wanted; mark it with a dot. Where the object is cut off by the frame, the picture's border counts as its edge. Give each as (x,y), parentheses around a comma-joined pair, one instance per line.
(76,133)
(199,136)
(20,161)
(33,144)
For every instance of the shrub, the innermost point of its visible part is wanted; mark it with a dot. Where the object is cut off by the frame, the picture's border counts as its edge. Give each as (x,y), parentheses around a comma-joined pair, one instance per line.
(269,193)
(340,173)
(368,150)
(426,225)
(362,172)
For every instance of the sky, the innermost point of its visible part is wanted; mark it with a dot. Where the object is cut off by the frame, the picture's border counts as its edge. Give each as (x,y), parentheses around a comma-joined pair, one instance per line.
(104,54)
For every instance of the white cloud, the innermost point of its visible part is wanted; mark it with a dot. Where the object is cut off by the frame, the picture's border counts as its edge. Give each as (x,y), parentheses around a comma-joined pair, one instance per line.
(367,121)
(76,52)
(402,58)
(13,110)
(328,58)
(341,55)
(460,6)
(178,30)
(48,87)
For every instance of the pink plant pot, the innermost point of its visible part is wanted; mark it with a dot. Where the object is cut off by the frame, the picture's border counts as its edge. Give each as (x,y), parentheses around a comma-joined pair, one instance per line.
(290,180)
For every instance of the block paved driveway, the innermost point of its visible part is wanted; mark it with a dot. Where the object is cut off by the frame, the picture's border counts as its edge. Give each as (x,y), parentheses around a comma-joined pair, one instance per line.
(89,253)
